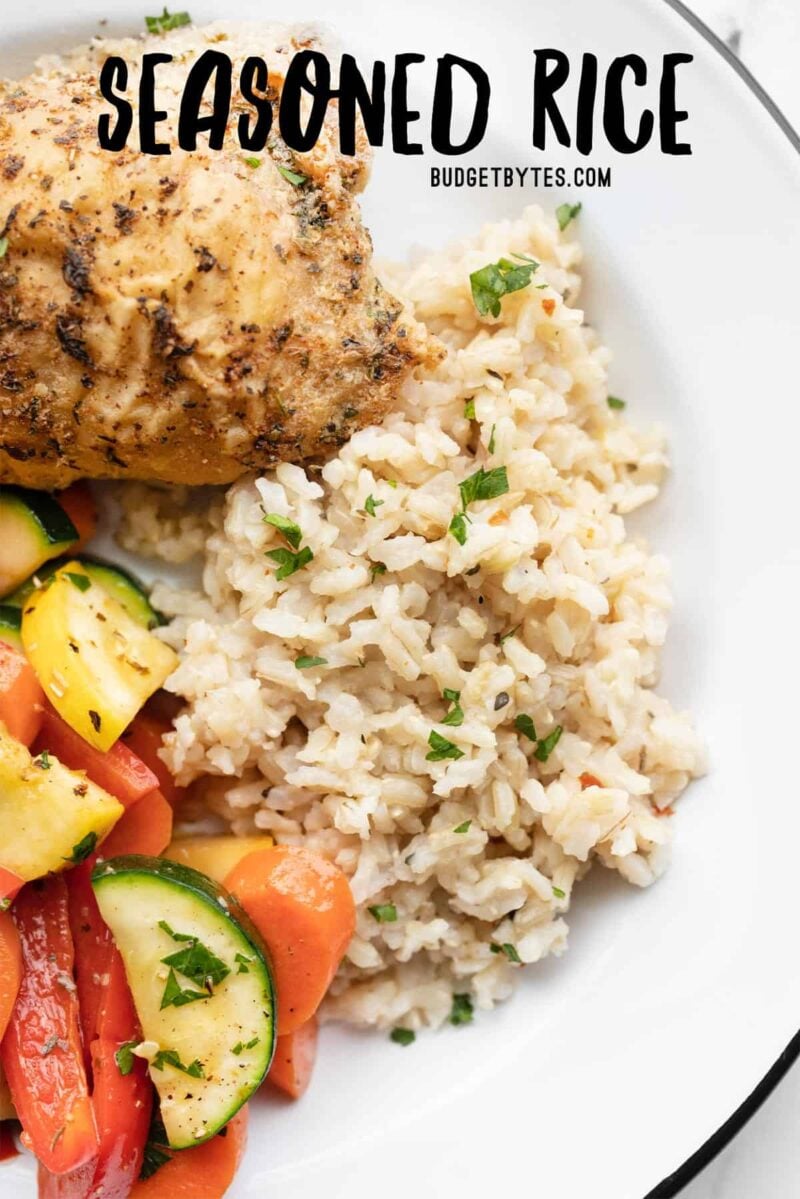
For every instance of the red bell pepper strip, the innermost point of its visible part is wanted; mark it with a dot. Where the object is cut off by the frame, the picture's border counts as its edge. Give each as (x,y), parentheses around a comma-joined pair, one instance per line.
(145,828)
(10,969)
(145,736)
(92,940)
(118,771)
(41,1051)
(21,695)
(122,1095)
(8,1148)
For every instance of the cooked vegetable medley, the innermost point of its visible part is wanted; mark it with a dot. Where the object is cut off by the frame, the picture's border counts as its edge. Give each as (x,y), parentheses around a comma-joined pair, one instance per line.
(148,984)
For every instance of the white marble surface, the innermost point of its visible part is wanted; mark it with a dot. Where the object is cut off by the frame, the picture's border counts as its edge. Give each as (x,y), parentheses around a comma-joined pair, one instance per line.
(763,1162)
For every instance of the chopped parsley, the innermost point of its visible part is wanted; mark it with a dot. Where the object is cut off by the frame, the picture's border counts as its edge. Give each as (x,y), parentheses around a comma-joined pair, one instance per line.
(498,279)
(392,483)
(292,177)
(240,1048)
(483,485)
(547,744)
(509,950)
(559,894)
(377,568)
(469,410)
(156,1154)
(566,213)
(461,1011)
(490,446)
(523,724)
(292,532)
(81,851)
(615,402)
(82,582)
(3,246)
(177,996)
(243,963)
(441,748)
(169,1057)
(384,913)
(370,504)
(503,638)
(197,963)
(403,1036)
(306,661)
(43,761)
(175,936)
(458,528)
(464,827)
(289,563)
(253,162)
(124,1057)
(455,716)
(167,21)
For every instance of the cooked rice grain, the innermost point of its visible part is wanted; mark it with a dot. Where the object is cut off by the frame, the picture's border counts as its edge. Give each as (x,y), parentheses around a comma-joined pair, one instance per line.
(549,610)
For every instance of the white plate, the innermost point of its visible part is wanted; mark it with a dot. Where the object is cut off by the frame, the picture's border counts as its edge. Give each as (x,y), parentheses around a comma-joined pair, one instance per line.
(613,1065)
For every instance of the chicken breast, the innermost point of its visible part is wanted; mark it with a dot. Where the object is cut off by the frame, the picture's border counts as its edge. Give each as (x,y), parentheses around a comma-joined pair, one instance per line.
(181,318)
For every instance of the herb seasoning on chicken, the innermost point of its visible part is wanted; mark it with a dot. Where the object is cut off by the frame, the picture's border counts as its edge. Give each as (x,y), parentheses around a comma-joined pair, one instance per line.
(184,317)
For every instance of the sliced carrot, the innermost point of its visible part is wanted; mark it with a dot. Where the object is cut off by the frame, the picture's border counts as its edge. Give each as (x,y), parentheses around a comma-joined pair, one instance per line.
(303,907)
(204,1172)
(78,503)
(145,737)
(293,1063)
(589,780)
(145,828)
(21,696)
(10,969)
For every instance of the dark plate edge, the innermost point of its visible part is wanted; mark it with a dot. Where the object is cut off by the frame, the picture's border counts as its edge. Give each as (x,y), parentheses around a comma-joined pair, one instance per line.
(694,1165)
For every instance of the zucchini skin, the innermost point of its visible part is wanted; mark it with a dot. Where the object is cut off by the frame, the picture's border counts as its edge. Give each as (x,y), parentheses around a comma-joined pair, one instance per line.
(136,603)
(210,892)
(123,587)
(54,524)
(10,625)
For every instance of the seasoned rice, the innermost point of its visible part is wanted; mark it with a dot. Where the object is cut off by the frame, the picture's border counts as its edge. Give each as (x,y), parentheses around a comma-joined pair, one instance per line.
(549,611)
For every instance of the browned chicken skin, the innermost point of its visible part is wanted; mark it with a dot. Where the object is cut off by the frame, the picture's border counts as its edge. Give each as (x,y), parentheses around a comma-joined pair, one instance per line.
(182,318)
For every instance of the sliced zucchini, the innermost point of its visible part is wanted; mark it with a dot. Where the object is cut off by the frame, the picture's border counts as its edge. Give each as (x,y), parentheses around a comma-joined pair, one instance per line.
(215,856)
(19,596)
(33,528)
(10,621)
(96,664)
(202,987)
(50,817)
(124,587)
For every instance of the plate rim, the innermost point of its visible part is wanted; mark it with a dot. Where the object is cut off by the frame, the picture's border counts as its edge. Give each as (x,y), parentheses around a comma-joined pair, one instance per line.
(694,1165)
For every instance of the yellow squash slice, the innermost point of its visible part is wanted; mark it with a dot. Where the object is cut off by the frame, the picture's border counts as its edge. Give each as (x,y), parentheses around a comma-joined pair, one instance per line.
(96,664)
(215,856)
(50,817)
